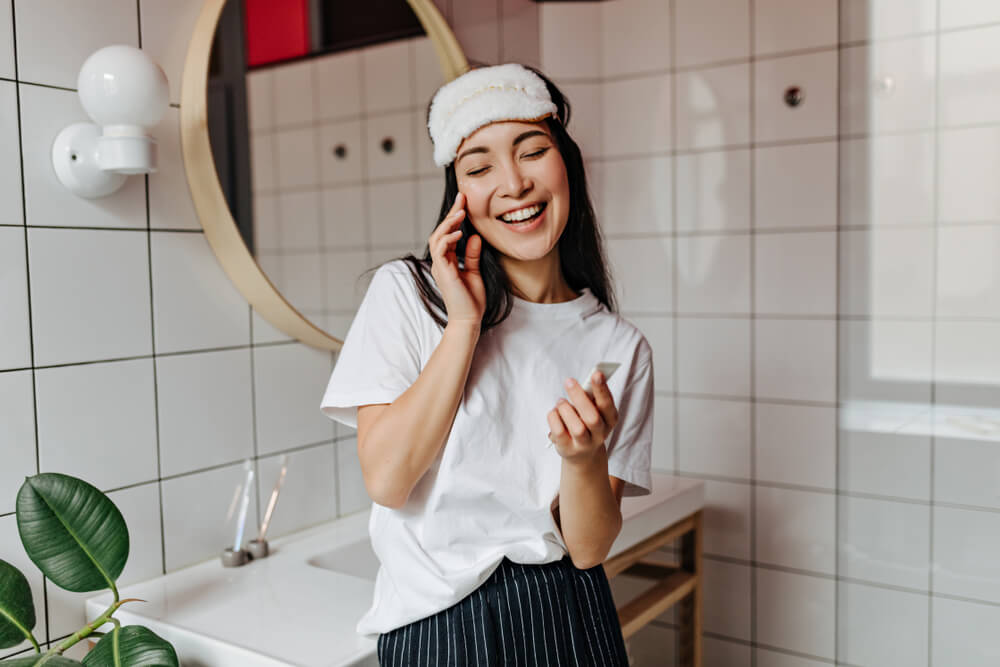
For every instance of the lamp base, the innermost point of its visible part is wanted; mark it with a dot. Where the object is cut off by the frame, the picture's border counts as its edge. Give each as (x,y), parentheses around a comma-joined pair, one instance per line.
(132,154)
(74,158)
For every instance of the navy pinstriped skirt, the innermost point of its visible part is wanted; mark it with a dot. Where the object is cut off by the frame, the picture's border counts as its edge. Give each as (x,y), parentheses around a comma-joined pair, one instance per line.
(545,615)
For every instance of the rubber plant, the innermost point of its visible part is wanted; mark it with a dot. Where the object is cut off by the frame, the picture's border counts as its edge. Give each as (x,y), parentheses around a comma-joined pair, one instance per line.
(78,539)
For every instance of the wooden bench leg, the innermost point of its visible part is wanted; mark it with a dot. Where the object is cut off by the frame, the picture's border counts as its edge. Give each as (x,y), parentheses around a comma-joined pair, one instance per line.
(689,641)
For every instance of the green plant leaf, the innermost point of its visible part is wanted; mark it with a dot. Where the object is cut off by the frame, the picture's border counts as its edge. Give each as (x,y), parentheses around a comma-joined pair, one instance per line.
(31,661)
(137,645)
(72,532)
(17,609)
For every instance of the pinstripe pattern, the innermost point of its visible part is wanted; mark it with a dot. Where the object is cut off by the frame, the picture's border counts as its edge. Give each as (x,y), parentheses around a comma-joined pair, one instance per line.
(522,616)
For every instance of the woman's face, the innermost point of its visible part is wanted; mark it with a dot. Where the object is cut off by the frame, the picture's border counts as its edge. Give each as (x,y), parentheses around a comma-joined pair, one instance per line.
(505,167)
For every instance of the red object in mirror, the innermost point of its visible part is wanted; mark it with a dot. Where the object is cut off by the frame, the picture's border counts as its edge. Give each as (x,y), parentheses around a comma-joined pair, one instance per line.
(276,30)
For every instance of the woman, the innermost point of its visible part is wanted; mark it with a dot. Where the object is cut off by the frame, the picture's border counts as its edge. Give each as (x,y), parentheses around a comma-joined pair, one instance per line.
(496,498)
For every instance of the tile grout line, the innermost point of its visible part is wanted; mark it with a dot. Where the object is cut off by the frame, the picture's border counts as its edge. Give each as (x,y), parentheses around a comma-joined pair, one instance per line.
(751,242)
(839,493)
(156,389)
(871,583)
(152,334)
(319,199)
(751,644)
(500,53)
(27,272)
(254,436)
(935,203)
(838,212)
(674,273)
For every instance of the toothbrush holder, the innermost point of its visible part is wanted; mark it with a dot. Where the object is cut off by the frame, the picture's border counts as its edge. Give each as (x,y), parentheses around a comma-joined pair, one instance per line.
(234,557)
(258,548)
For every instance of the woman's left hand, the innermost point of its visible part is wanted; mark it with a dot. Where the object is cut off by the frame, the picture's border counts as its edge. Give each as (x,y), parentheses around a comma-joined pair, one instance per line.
(579,428)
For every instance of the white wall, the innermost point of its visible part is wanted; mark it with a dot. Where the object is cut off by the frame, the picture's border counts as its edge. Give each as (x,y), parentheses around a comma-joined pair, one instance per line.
(820,287)
(322,220)
(793,270)
(126,356)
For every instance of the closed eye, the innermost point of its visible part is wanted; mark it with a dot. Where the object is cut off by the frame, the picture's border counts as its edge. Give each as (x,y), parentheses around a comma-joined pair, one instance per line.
(537,153)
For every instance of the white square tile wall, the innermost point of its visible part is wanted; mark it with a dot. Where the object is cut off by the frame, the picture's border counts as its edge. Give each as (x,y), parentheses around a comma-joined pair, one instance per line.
(205,409)
(44,113)
(302,207)
(307,497)
(815,75)
(294,100)
(571,40)
(170,205)
(713,191)
(289,382)
(55,38)
(637,114)
(806,268)
(10,162)
(648,45)
(6,42)
(195,306)
(17,431)
(882,627)
(94,301)
(166,30)
(886,86)
(789,25)
(105,408)
(713,107)
(713,31)
(968,13)
(195,524)
(125,345)
(15,338)
(689,147)
(633,195)
(865,19)
(338,85)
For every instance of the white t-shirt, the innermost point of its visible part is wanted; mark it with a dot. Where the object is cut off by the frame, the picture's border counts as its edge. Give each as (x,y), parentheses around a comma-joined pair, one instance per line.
(490,490)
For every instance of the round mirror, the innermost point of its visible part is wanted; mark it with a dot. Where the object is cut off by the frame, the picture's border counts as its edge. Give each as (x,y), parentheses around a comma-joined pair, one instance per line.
(306,150)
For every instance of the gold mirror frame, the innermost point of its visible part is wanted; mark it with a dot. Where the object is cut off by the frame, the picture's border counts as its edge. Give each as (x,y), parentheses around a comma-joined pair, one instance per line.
(206,191)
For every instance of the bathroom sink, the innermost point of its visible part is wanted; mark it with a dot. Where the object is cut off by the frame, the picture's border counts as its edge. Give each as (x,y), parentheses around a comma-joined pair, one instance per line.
(276,612)
(356,559)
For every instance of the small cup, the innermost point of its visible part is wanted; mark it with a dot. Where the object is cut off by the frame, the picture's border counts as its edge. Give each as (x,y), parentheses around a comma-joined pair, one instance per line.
(234,558)
(258,548)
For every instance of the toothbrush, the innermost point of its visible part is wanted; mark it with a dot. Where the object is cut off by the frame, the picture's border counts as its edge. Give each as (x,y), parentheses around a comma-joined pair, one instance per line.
(274,498)
(244,504)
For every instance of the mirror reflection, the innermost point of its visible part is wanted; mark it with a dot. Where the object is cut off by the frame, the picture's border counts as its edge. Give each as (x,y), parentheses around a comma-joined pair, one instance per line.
(318,132)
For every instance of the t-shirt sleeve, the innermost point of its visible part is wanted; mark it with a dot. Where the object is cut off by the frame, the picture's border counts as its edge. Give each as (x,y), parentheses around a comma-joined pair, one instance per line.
(631,442)
(380,358)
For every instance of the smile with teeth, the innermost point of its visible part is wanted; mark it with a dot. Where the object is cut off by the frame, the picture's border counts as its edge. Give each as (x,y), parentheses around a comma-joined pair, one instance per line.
(523,216)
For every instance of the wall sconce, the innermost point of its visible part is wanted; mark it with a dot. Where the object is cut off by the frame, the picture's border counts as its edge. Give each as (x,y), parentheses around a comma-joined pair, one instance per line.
(125,93)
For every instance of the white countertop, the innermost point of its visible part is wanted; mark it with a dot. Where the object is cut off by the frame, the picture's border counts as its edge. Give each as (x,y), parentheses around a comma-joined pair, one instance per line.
(282,611)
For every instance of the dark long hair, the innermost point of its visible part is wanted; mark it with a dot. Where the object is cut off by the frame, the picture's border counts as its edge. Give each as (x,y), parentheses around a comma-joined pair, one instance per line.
(581,249)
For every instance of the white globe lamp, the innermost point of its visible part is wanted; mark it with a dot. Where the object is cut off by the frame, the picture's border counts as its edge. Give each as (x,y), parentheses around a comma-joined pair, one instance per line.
(126,94)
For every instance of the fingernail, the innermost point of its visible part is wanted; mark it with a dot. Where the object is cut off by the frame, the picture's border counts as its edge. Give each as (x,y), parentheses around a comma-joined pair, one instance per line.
(599,377)
(569,383)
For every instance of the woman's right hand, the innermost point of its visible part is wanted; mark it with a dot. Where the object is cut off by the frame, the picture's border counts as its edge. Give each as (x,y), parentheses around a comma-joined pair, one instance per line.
(463,290)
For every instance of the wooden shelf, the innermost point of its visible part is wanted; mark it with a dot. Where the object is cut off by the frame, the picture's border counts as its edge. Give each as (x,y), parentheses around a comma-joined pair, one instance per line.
(672,583)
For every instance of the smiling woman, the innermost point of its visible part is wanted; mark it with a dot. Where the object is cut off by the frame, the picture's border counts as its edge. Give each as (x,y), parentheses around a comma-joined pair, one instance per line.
(453,373)
(517,198)
(502,166)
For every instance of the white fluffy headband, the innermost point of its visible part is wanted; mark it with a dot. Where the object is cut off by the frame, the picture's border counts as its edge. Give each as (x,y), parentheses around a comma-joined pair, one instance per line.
(482,96)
